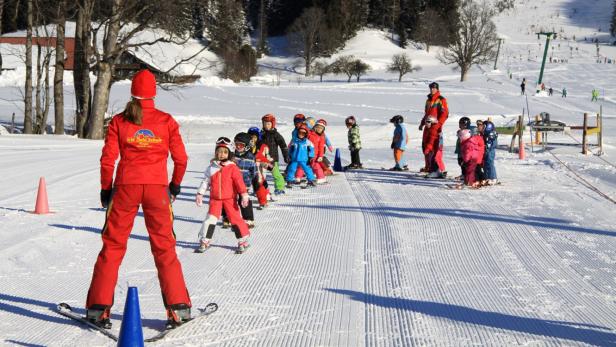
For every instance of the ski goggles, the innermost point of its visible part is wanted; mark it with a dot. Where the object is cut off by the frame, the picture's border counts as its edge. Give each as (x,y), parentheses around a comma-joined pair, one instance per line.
(240,145)
(224,140)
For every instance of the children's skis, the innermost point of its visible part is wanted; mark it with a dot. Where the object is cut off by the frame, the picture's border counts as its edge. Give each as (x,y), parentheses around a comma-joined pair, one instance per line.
(67,311)
(203,312)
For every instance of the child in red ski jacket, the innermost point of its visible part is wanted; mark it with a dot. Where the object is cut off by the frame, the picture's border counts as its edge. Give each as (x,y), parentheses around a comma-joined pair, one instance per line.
(225,182)
(472,155)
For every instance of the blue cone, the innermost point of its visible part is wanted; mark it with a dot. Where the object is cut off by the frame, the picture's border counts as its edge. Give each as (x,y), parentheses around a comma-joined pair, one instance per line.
(337,161)
(131,333)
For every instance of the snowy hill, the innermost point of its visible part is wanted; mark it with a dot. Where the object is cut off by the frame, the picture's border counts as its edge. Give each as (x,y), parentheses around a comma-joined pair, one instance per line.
(374,257)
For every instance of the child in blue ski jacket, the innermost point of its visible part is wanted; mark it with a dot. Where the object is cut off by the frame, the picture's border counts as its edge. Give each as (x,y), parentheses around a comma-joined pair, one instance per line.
(398,143)
(490,138)
(301,152)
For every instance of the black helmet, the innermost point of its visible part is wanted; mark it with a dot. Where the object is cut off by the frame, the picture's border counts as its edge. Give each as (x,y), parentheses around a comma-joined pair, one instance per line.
(464,122)
(397,119)
(433,85)
(350,120)
(243,138)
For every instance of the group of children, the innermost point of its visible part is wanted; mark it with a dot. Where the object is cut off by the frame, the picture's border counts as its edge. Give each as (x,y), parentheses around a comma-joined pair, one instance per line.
(246,161)
(476,149)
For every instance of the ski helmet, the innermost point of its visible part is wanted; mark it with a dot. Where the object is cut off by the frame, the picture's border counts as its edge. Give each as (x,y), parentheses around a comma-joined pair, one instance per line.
(242,138)
(464,134)
(397,119)
(269,118)
(310,122)
(224,142)
(465,123)
(433,85)
(488,126)
(254,131)
(299,118)
(350,120)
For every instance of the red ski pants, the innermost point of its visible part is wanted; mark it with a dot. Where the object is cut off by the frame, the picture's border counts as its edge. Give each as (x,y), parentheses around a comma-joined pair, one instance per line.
(158,215)
(233,213)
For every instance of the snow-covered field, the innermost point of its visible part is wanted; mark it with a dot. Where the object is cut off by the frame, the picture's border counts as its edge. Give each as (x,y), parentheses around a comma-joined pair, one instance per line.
(374,257)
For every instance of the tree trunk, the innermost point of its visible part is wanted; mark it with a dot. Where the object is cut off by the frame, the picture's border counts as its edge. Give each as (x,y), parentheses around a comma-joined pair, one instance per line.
(464,72)
(400,76)
(349,80)
(104,74)
(100,101)
(58,79)
(262,28)
(28,86)
(1,12)
(427,48)
(358,76)
(81,71)
(38,126)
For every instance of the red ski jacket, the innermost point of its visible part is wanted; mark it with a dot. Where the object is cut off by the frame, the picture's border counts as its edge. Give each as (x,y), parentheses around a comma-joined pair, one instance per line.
(319,143)
(436,106)
(143,149)
(472,149)
(224,179)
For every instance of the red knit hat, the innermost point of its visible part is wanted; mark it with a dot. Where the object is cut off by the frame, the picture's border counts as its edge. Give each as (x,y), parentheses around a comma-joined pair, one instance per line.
(144,85)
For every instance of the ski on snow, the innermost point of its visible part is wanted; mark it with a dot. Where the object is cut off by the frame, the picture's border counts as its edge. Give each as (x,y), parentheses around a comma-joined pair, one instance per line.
(67,311)
(203,312)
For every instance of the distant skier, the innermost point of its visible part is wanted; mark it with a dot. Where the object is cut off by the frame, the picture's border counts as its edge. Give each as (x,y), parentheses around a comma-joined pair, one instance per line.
(436,113)
(225,182)
(399,142)
(354,142)
(550,91)
(143,137)
(523,86)
(595,95)
(564,93)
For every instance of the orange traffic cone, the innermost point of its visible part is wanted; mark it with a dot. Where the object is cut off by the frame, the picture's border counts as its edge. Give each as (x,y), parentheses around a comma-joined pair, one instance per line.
(521,151)
(42,205)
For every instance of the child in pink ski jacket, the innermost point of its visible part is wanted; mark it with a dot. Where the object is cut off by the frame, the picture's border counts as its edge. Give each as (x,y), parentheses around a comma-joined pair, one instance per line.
(471,148)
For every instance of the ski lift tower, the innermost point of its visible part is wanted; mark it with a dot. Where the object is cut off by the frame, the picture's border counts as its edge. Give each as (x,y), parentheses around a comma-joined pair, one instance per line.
(549,36)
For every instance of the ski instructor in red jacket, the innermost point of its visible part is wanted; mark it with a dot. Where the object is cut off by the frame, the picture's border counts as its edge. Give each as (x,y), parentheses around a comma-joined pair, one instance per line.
(143,137)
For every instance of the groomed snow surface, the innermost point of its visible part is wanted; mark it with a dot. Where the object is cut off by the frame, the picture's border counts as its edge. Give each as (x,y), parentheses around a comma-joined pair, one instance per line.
(373,258)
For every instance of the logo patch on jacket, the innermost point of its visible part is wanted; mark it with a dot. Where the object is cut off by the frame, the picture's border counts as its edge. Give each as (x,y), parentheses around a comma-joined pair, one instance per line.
(144,138)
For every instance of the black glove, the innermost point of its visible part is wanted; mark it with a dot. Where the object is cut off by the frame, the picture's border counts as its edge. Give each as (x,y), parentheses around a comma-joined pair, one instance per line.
(287,159)
(393,145)
(105,197)
(420,127)
(174,189)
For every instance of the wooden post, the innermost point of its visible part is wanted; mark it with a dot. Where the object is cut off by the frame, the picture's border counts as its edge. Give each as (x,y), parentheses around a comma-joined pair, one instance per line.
(515,133)
(520,133)
(600,133)
(585,134)
(537,133)
(13,123)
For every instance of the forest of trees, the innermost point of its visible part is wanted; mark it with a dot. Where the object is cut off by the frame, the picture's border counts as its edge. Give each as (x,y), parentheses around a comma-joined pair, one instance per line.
(315,28)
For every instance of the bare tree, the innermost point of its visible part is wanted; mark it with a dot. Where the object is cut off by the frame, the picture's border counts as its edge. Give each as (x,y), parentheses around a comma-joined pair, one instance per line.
(476,39)
(401,63)
(321,68)
(126,19)
(58,79)
(309,36)
(44,52)
(431,29)
(28,86)
(359,68)
(344,65)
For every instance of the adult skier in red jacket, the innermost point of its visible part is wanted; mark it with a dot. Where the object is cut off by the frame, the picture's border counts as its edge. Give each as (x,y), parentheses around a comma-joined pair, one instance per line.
(432,144)
(142,136)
